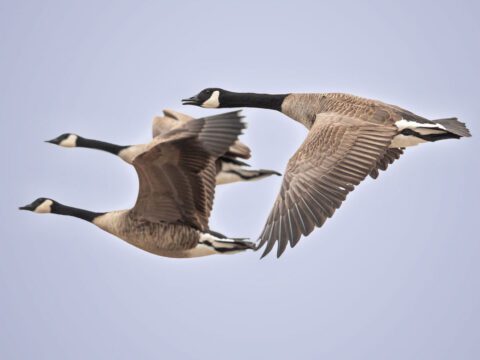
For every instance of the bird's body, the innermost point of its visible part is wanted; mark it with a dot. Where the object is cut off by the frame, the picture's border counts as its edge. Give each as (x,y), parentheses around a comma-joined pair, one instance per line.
(165,239)
(349,138)
(176,172)
(157,237)
(305,109)
(229,169)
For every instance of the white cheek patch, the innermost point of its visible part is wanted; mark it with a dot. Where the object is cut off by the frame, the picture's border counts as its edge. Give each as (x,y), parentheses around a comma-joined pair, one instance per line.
(212,101)
(45,207)
(70,141)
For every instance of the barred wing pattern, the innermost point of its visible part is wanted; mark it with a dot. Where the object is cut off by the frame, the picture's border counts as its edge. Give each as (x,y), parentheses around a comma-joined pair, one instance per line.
(177,171)
(388,158)
(338,153)
(172,119)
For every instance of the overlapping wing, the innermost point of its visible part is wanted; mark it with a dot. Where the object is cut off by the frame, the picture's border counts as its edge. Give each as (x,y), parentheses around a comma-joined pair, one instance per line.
(177,171)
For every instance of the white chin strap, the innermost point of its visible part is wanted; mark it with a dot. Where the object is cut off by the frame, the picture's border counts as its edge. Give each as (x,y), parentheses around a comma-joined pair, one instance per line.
(212,101)
(44,207)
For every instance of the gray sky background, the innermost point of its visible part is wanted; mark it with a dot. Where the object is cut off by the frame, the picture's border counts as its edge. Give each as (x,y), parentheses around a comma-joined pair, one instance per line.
(394,275)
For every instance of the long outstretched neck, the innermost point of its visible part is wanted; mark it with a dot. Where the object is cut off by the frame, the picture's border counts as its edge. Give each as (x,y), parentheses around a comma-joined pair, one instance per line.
(86,215)
(264,101)
(100,145)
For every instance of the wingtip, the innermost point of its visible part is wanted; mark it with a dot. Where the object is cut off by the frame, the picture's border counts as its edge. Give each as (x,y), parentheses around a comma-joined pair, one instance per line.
(258,246)
(265,253)
(280,250)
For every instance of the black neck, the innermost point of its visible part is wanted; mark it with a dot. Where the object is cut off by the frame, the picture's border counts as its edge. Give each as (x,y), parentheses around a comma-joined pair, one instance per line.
(75,212)
(264,101)
(99,145)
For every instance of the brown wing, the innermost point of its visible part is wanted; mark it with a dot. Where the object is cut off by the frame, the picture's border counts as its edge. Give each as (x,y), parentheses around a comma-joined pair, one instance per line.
(388,158)
(338,153)
(239,150)
(173,119)
(170,120)
(177,172)
(369,110)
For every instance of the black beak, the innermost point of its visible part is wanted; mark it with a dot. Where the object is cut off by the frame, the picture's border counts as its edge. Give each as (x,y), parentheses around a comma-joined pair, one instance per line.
(191,101)
(55,141)
(29,207)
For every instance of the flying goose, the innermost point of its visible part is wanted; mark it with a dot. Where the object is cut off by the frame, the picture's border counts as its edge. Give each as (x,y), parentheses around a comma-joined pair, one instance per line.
(228,168)
(349,138)
(176,174)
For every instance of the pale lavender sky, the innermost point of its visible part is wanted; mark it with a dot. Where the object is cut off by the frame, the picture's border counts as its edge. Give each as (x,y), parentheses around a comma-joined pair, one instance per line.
(395,273)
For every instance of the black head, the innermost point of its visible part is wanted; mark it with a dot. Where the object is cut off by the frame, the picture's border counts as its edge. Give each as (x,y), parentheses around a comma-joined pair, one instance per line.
(41,205)
(65,140)
(207,98)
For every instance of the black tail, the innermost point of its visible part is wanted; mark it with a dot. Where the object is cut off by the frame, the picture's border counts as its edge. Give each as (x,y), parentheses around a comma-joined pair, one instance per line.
(455,127)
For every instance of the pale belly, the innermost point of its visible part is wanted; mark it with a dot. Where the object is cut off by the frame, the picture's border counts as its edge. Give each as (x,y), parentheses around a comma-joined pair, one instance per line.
(402,141)
(169,240)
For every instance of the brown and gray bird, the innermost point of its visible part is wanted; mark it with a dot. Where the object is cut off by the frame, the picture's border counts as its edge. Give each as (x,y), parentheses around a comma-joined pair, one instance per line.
(176,173)
(349,138)
(229,169)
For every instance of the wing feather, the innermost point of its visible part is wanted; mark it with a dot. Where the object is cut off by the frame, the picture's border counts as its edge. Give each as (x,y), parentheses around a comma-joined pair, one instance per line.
(177,171)
(338,153)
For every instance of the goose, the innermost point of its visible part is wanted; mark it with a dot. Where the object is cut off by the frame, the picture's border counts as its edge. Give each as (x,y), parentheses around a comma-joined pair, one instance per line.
(228,168)
(349,138)
(176,174)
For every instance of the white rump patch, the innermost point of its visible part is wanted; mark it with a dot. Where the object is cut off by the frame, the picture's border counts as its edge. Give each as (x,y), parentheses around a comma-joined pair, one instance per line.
(212,101)
(406,124)
(208,237)
(203,249)
(227,166)
(44,208)
(224,177)
(70,141)
(421,128)
(200,250)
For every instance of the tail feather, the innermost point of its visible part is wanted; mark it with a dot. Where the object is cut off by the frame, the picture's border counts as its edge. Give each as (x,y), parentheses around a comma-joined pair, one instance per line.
(452,125)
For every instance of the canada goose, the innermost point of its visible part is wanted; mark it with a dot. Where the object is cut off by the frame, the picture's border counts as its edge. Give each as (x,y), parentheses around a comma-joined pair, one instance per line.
(349,138)
(176,174)
(228,168)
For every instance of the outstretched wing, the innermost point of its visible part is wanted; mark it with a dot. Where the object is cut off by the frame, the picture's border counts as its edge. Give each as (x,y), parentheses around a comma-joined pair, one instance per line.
(388,158)
(239,150)
(338,153)
(172,119)
(177,171)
